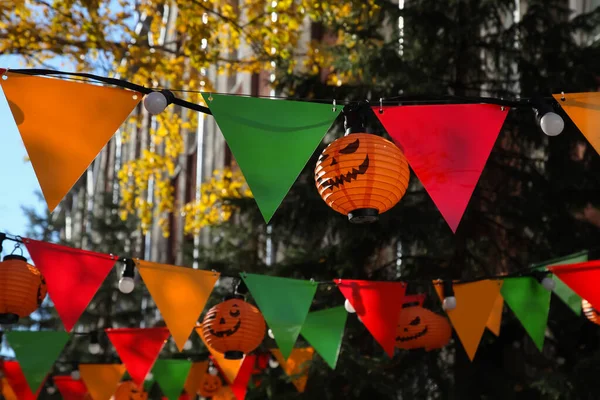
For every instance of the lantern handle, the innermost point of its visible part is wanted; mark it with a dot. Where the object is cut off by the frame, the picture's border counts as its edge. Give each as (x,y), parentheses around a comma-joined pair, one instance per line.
(17,247)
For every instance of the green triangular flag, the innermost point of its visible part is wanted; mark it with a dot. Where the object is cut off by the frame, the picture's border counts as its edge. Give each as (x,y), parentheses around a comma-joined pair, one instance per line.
(36,352)
(324,330)
(272,140)
(284,303)
(565,293)
(171,376)
(531,303)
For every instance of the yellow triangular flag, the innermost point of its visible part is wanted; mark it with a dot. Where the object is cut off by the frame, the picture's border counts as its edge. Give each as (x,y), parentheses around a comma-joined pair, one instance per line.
(584,111)
(7,392)
(64,125)
(195,377)
(101,380)
(179,293)
(474,303)
(230,368)
(297,365)
(495,319)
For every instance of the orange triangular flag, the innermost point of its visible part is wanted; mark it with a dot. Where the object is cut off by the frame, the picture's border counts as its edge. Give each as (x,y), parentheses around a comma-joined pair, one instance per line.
(179,293)
(101,380)
(474,303)
(7,392)
(297,365)
(584,111)
(64,125)
(229,368)
(195,377)
(495,319)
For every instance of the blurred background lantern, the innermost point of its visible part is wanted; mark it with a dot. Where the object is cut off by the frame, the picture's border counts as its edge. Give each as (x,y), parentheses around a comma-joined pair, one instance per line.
(22,289)
(234,328)
(590,312)
(362,175)
(129,391)
(421,328)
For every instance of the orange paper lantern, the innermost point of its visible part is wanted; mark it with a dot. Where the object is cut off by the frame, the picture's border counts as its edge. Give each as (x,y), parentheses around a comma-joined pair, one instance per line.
(234,328)
(590,312)
(22,289)
(421,328)
(362,175)
(129,391)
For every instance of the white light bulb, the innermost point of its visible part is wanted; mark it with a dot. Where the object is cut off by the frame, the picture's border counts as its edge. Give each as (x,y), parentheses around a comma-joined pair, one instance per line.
(548,283)
(94,348)
(552,124)
(271,335)
(188,345)
(213,371)
(149,377)
(349,307)
(50,390)
(126,285)
(449,303)
(75,374)
(155,102)
(273,363)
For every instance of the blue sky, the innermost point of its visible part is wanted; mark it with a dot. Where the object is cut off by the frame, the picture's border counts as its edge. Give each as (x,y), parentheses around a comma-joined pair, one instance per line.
(18,183)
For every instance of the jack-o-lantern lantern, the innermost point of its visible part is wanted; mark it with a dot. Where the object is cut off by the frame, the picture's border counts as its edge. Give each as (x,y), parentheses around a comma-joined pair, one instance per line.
(234,328)
(22,289)
(421,328)
(590,312)
(362,175)
(209,385)
(225,394)
(130,391)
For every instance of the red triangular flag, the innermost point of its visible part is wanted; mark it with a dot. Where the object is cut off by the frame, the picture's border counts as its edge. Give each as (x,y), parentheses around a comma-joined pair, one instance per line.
(378,304)
(138,349)
(583,278)
(18,383)
(239,387)
(447,147)
(69,388)
(73,276)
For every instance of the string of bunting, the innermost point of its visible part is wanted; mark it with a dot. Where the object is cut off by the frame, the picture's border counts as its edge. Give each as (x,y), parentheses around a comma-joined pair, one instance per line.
(394,318)
(360,175)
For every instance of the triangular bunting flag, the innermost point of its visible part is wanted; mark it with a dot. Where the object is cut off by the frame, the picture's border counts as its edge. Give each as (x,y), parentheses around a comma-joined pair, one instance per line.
(564,292)
(17,381)
(36,352)
(69,388)
(138,349)
(531,303)
(179,293)
(584,111)
(194,377)
(72,276)
(474,303)
(284,303)
(64,126)
(7,391)
(495,319)
(101,380)
(239,386)
(378,305)
(324,330)
(272,140)
(447,147)
(297,365)
(171,376)
(582,278)
(229,368)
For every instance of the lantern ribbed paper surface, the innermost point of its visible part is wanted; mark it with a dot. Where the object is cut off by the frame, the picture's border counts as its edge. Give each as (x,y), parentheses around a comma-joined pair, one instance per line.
(590,312)
(22,288)
(234,328)
(362,175)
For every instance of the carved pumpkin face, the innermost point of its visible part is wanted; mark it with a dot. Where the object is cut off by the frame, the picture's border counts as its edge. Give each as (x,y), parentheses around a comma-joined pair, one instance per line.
(129,391)
(233,328)
(362,175)
(209,385)
(420,328)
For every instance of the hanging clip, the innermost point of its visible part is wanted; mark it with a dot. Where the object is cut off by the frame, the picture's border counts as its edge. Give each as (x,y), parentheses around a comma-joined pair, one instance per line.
(334,108)
(381,105)
(562,96)
(210,98)
(18,247)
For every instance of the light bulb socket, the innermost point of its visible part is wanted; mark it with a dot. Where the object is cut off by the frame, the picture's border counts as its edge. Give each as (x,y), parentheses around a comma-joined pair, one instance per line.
(448,289)
(94,337)
(168,95)
(129,270)
(241,288)
(540,275)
